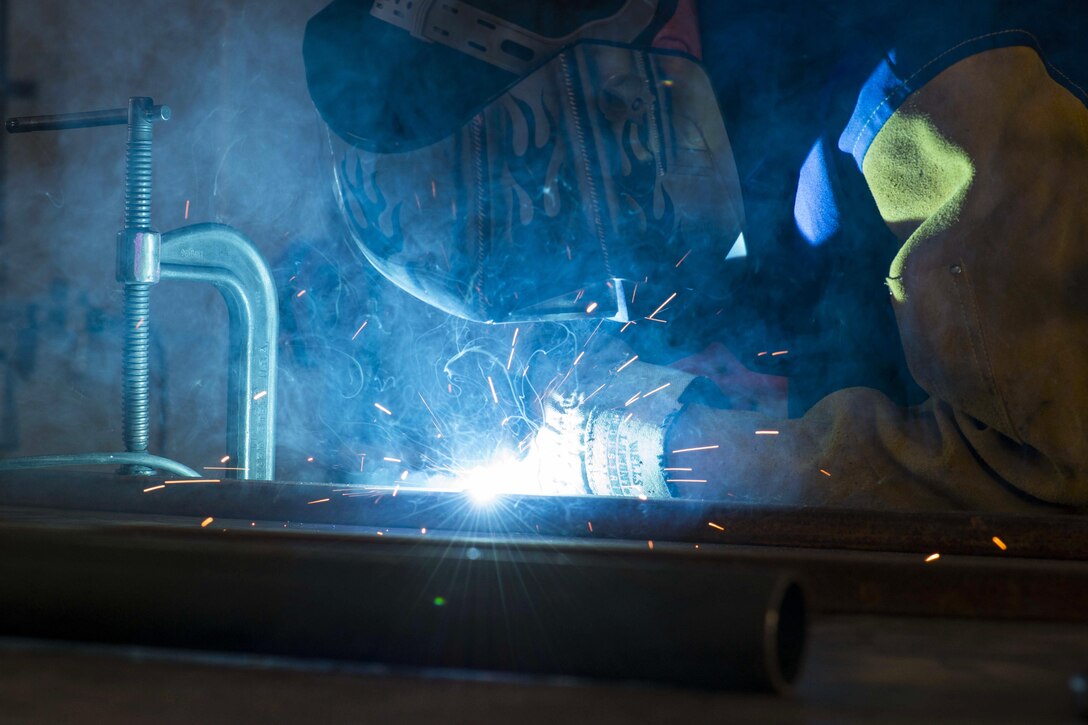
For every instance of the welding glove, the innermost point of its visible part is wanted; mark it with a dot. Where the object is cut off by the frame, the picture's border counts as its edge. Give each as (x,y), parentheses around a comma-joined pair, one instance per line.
(609,440)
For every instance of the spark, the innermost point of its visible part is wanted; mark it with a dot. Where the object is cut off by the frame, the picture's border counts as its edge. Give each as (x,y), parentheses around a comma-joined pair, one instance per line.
(650,544)
(654,319)
(626,418)
(668,83)
(206,521)
(514,340)
(404,474)
(661,307)
(260,395)
(700,448)
(579,358)
(434,418)
(675,469)
(647,395)
(932,557)
(599,387)
(434,189)
(494,395)
(715,526)
(634,292)
(825,473)
(592,334)
(579,296)
(766,432)
(193,480)
(632,399)
(391,460)
(383,409)
(568,253)
(395,489)
(362,460)
(186,208)
(761,354)
(139,323)
(439,601)
(309,459)
(320,500)
(627,324)
(590,525)
(629,360)
(224,459)
(590,307)
(685,480)
(423,531)
(300,293)
(780,352)
(683,258)
(359,330)
(999,543)
(154,488)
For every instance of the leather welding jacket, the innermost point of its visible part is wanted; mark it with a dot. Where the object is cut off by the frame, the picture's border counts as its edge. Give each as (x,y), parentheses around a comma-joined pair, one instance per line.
(981,172)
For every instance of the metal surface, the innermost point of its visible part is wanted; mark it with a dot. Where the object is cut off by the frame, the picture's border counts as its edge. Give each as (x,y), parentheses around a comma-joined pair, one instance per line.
(528,608)
(224,257)
(850,561)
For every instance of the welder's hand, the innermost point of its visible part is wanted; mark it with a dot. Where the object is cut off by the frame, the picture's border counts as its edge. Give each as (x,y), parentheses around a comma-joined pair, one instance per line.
(609,441)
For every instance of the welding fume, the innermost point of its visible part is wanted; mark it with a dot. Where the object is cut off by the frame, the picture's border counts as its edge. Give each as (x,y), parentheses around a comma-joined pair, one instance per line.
(833,260)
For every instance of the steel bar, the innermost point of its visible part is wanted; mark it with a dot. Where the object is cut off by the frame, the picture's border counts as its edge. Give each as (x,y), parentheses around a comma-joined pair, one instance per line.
(85,119)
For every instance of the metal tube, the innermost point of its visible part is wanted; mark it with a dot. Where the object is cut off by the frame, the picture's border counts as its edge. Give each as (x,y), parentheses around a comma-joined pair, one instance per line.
(224,257)
(625,614)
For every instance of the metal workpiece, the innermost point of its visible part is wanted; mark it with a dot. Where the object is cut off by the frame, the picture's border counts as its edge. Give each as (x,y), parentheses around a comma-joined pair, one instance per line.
(624,613)
(223,256)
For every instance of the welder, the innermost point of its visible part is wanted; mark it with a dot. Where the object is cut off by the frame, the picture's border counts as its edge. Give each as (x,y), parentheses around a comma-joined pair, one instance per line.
(903,189)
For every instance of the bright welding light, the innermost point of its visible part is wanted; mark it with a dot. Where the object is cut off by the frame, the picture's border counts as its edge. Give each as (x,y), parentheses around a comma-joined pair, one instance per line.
(504,474)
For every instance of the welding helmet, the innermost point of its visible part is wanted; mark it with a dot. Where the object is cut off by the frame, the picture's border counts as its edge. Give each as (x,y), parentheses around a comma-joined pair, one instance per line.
(505,169)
